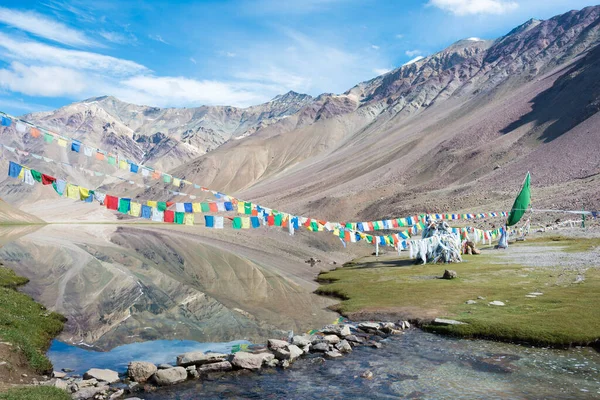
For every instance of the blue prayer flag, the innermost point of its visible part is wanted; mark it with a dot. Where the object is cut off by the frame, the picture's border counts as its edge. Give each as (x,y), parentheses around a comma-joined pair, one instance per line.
(228,206)
(14,169)
(146,211)
(133,168)
(255,222)
(188,207)
(75,146)
(6,121)
(209,220)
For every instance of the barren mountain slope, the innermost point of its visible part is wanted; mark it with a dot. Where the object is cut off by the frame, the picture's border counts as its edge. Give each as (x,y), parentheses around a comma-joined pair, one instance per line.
(426,135)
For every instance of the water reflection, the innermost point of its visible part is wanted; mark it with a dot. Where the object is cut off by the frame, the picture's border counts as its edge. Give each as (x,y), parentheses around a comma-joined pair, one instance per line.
(80,360)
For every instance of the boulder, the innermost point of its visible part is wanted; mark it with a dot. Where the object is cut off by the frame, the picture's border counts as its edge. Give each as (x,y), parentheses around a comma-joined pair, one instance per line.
(277,344)
(343,347)
(442,321)
(306,349)
(387,327)
(171,376)
(86,383)
(333,354)
(301,341)
(117,394)
(375,345)
(322,347)
(140,371)
(496,303)
(281,354)
(89,392)
(199,358)
(340,330)
(58,374)
(105,375)
(331,339)
(449,274)
(60,384)
(367,375)
(273,363)
(245,360)
(354,339)
(285,364)
(164,366)
(67,370)
(215,367)
(369,326)
(192,372)
(295,352)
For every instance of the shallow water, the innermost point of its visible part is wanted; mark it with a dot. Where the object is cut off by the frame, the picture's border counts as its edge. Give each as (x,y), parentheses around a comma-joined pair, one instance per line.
(80,360)
(416,365)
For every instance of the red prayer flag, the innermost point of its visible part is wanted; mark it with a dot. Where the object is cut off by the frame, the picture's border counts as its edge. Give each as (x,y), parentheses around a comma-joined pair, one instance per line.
(35,132)
(270,220)
(395,223)
(212,206)
(112,202)
(170,203)
(47,179)
(347,236)
(169,216)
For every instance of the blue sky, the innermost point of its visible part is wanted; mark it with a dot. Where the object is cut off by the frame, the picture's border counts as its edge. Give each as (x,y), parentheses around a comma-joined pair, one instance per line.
(238,52)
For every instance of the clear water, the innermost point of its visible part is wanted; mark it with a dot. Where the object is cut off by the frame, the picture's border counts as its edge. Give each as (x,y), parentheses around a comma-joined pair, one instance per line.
(416,365)
(80,360)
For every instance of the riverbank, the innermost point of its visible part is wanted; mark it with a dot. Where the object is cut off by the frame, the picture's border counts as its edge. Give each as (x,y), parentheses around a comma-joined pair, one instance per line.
(546,286)
(26,330)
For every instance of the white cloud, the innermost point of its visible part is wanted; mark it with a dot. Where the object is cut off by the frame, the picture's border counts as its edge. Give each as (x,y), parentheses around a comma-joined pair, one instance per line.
(414,60)
(76,59)
(230,54)
(399,36)
(42,26)
(158,38)
(470,7)
(118,38)
(412,53)
(375,47)
(381,71)
(42,81)
(192,59)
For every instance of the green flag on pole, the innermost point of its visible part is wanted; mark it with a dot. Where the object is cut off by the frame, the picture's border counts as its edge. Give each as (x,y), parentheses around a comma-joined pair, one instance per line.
(521,203)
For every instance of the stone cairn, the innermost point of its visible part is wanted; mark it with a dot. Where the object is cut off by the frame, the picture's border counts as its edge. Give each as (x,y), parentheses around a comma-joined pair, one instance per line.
(331,342)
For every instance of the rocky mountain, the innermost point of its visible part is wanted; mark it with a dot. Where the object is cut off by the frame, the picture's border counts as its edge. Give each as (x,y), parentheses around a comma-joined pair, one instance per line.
(446,132)
(163,137)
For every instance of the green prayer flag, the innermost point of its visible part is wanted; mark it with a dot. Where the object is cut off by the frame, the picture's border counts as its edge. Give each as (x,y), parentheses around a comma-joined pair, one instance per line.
(124,205)
(161,205)
(166,178)
(314,226)
(36,175)
(179,217)
(55,186)
(48,138)
(111,160)
(278,220)
(204,207)
(247,208)
(521,203)
(237,223)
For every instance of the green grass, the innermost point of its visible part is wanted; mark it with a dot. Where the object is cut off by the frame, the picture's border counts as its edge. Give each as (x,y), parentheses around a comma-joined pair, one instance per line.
(25,323)
(565,314)
(35,393)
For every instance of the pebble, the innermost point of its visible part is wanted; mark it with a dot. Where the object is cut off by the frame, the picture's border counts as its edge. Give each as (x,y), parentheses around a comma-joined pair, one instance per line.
(367,375)
(496,303)
(471,302)
(536,294)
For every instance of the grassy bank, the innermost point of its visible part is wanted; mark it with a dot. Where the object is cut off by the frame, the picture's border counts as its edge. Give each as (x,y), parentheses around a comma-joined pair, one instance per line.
(565,314)
(35,393)
(26,324)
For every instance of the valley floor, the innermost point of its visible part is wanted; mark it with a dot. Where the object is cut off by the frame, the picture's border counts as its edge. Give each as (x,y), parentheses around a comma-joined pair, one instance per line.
(563,271)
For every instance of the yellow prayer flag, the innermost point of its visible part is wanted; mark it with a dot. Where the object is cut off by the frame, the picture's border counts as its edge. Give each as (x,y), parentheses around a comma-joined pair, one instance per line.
(123,164)
(135,209)
(176,182)
(241,207)
(153,204)
(62,142)
(188,219)
(72,191)
(22,174)
(245,222)
(196,207)
(83,193)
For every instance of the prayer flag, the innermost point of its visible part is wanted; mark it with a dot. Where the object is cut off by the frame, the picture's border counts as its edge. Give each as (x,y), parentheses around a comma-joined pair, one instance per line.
(209,221)
(179,217)
(278,220)
(99,156)
(219,222)
(521,203)
(188,208)
(255,222)
(136,209)
(161,206)
(213,207)
(62,142)
(245,222)
(247,208)
(156,175)
(176,182)
(34,132)
(112,160)
(47,179)
(196,207)
(146,212)
(270,220)
(28,177)
(48,138)
(166,178)
(237,223)
(122,164)
(204,207)
(189,219)
(133,168)
(84,194)
(112,202)
(75,146)
(152,204)
(6,121)
(157,215)
(228,206)
(14,169)
(87,151)
(124,205)
(20,127)
(73,192)
(59,186)
(241,207)
(169,216)
(179,207)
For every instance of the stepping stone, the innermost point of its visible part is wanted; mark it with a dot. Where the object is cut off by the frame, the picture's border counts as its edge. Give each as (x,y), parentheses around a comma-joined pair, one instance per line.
(496,303)
(530,296)
(536,294)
